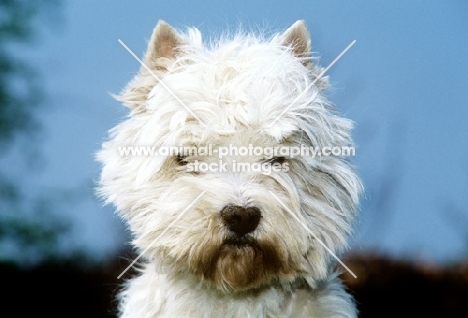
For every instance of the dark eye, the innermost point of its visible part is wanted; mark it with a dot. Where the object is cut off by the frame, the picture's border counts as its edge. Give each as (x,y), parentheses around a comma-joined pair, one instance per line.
(181,160)
(273,160)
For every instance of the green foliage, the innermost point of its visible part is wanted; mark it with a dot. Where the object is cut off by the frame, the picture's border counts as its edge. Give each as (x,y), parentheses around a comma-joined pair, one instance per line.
(20,93)
(26,223)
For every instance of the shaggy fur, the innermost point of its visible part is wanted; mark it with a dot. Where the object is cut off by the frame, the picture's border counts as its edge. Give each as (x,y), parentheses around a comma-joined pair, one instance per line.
(237,88)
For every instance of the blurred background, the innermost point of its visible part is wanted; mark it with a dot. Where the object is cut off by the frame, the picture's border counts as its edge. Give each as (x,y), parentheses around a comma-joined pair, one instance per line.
(404,83)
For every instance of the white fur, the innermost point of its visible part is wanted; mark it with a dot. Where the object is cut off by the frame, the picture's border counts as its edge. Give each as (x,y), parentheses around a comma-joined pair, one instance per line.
(242,84)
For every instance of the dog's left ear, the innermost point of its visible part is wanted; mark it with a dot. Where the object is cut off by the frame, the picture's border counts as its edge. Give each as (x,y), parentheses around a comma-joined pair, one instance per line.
(163,45)
(298,38)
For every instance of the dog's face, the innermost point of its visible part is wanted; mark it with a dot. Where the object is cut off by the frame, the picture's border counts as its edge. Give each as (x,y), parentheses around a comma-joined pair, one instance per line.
(227,209)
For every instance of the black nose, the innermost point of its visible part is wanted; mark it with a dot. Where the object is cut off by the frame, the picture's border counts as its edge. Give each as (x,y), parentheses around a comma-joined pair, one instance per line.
(241,220)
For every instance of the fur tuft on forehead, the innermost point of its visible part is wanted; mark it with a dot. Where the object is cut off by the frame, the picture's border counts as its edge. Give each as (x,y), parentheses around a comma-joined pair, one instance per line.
(247,80)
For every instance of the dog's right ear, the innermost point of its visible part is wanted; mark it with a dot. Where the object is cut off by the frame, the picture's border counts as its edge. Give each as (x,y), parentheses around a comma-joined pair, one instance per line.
(162,49)
(163,46)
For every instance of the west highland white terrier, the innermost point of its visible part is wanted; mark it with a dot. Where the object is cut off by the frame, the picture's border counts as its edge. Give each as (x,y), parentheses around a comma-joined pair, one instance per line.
(234,202)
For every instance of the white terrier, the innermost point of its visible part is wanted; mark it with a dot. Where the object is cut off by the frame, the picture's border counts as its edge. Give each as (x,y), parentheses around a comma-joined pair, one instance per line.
(231,220)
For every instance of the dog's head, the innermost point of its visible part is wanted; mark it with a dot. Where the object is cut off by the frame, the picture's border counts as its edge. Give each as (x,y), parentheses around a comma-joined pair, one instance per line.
(220,191)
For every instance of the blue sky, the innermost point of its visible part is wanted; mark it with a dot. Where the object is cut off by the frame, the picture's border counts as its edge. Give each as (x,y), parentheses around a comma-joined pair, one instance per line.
(404,83)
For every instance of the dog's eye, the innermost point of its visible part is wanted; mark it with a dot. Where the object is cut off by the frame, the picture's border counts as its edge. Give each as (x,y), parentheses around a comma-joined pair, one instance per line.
(273,160)
(181,160)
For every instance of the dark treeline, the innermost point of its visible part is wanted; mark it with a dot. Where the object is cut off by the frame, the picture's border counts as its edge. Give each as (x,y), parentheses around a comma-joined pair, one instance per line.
(384,288)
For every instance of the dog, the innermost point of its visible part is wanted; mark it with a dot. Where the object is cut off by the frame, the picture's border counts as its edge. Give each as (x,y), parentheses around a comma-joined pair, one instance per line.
(229,219)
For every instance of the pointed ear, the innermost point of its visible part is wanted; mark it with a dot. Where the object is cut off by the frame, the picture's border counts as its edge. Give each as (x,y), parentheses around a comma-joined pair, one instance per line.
(162,49)
(298,38)
(164,43)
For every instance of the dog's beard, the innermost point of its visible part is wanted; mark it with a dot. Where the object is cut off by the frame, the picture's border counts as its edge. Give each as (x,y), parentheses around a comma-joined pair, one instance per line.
(239,264)
(202,247)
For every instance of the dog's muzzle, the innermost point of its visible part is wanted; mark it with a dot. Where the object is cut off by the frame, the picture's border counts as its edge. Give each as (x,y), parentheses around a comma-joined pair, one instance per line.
(241,220)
